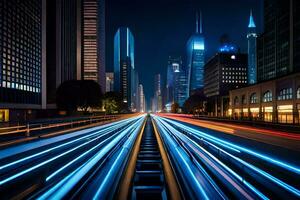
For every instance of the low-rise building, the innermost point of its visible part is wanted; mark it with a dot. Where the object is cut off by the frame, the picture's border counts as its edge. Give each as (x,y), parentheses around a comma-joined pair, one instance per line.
(276,101)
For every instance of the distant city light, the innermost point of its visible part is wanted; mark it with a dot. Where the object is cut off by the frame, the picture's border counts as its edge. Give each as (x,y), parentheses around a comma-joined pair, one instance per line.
(233,57)
(228,48)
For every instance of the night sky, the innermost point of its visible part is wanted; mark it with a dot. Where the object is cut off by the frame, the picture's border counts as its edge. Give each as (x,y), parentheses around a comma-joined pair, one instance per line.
(162,28)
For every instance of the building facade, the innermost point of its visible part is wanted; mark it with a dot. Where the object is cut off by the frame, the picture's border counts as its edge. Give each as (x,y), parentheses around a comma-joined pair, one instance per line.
(223,72)
(251,37)
(158,93)
(124,63)
(22,58)
(173,67)
(93,41)
(278,48)
(109,82)
(196,57)
(63,61)
(181,89)
(135,90)
(276,101)
(142,100)
(177,82)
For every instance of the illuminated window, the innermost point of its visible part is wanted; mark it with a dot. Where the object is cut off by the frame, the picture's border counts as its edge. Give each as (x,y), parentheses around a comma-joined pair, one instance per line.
(253,98)
(285,94)
(267,96)
(298,93)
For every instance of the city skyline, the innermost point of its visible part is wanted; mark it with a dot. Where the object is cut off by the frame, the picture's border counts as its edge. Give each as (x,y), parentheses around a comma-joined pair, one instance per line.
(160,99)
(157,31)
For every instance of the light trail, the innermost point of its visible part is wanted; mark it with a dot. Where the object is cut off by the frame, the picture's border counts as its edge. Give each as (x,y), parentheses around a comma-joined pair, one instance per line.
(275,180)
(110,128)
(231,128)
(11,151)
(17,175)
(203,188)
(60,189)
(105,185)
(205,159)
(225,144)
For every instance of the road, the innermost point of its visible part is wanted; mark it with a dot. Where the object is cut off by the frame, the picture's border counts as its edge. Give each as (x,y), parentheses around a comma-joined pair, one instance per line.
(268,170)
(207,160)
(61,162)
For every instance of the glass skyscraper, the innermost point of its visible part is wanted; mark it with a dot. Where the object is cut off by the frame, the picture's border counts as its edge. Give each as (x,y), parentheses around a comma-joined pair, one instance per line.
(278,48)
(123,63)
(251,36)
(195,57)
(177,81)
(174,64)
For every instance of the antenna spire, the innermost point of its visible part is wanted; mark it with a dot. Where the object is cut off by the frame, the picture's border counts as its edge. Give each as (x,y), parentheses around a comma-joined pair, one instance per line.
(200,28)
(251,21)
(197,22)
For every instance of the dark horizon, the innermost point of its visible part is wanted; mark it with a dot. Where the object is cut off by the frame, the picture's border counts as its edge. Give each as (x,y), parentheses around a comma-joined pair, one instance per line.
(162,28)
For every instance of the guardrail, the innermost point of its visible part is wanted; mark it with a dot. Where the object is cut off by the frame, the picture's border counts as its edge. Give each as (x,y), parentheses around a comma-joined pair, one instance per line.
(28,128)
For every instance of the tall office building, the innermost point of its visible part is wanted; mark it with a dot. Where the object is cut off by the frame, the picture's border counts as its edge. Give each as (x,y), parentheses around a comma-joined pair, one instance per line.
(251,37)
(152,105)
(157,93)
(181,89)
(196,56)
(225,71)
(174,64)
(142,101)
(278,48)
(109,82)
(177,81)
(63,61)
(123,63)
(135,91)
(22,58)
(93,44)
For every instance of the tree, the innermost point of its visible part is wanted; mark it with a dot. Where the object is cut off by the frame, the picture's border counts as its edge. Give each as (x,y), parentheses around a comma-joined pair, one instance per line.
(90,95)
(75,94)
(113,103)
(196,103)
(174,108)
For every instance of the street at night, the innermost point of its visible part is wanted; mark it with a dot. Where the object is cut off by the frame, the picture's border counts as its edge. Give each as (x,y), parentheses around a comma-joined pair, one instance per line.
(149,99)
(206,163)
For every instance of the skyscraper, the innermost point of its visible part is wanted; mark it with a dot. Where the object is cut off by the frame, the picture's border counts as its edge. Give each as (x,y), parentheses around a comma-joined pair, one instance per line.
(135,90)
(195,57)
(158,94)
(22,58)
(123,63)
(181,89)
(225,71)
(109,82)
(93,44)
(278,48)
(177,81)
(251,37)
(63,45)
(142,102)
(174,64)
